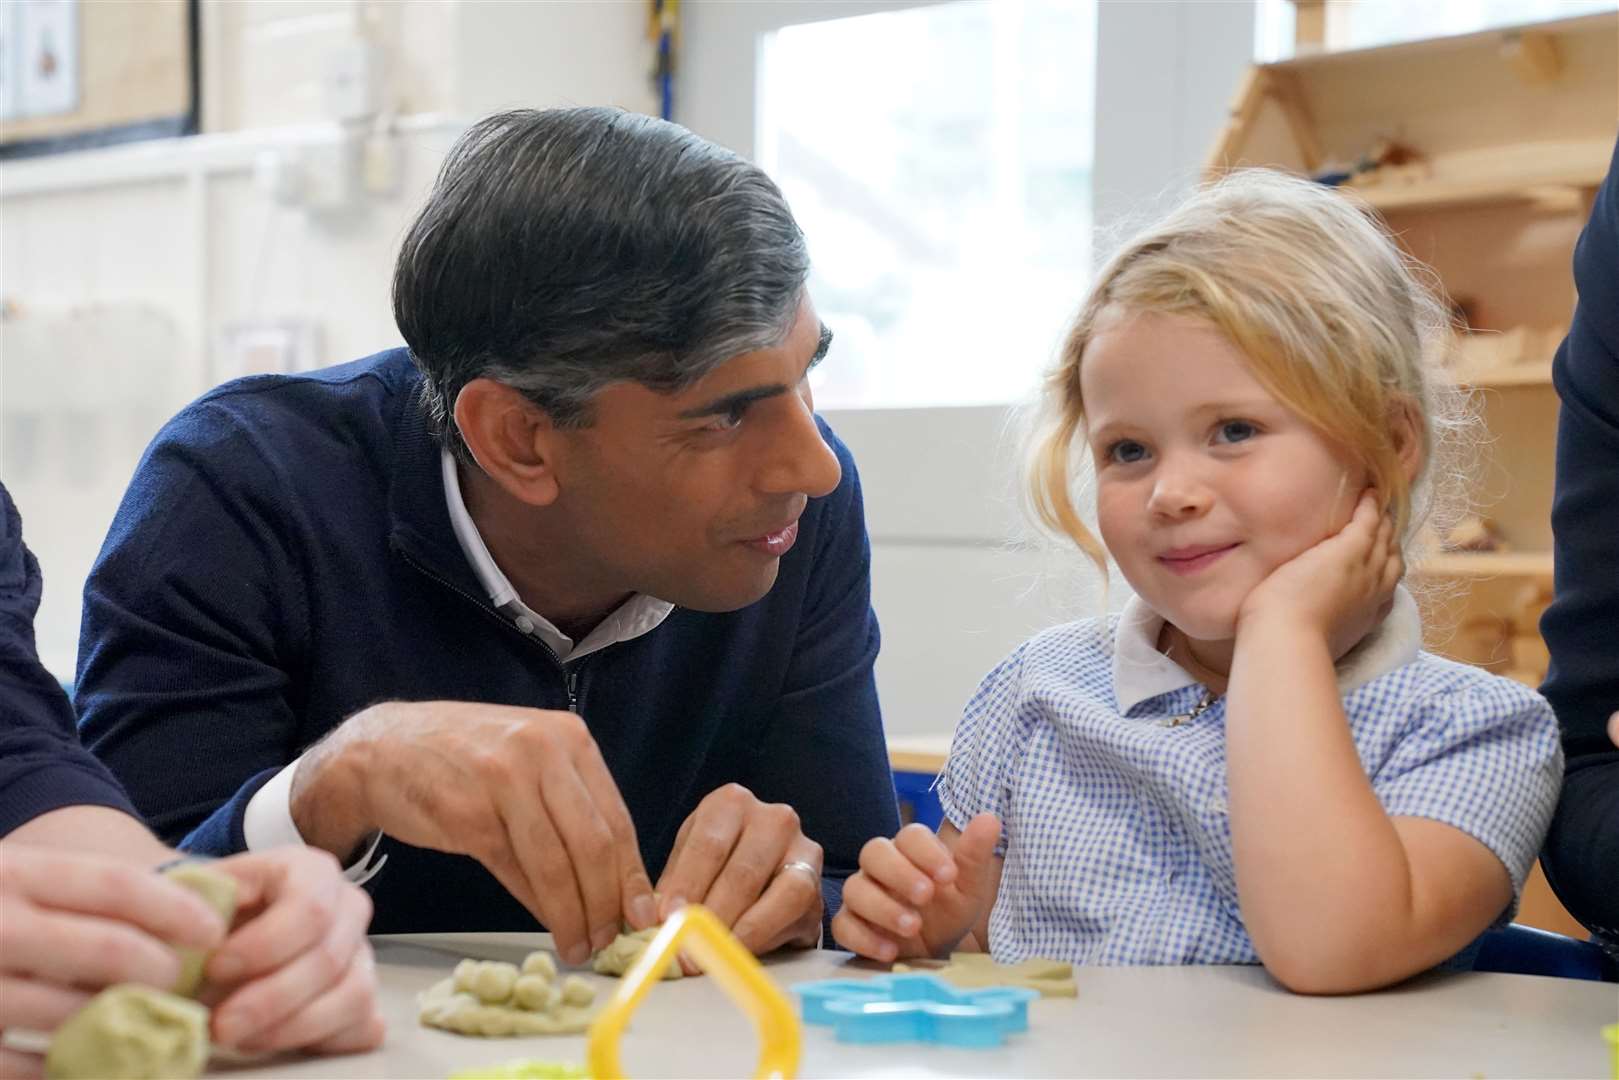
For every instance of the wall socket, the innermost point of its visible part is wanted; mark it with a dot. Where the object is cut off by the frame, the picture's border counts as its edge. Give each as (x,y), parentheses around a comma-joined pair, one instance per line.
(352,86)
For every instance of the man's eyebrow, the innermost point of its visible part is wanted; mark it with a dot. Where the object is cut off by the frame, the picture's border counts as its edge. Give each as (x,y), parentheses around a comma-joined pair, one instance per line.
(821,346)
(730,402)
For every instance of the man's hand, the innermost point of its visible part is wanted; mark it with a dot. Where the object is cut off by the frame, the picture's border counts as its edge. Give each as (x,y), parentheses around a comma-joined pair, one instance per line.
(735,855)
(919,894)
(1341,588)
(71,925)
(523,791)
(1613,728)
(297,972)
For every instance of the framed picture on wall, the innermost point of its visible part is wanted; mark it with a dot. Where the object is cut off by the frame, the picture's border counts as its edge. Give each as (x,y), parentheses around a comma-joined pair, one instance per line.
(84,73)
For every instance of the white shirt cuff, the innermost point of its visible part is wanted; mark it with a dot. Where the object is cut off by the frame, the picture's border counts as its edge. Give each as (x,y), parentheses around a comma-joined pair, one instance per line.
(268,823)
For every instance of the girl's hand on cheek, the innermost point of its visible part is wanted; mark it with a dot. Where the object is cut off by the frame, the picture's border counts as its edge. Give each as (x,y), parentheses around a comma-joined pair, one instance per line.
(1340,588)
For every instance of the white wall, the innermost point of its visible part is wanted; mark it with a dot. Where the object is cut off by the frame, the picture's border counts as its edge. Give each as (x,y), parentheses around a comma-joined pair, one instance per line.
(177,238)
(263,61)
(179,235)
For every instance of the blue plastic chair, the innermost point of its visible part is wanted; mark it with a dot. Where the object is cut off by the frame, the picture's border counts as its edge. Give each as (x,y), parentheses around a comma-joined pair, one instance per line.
(914,790)
(1525,950)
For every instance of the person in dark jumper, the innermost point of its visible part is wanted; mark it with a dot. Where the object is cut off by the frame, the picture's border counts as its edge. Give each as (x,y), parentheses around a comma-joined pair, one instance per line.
(81,909)
(570,595)
(1581,627)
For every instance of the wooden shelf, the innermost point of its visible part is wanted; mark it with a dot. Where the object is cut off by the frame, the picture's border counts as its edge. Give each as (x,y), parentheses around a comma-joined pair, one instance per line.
(1516,375)
(919,753)
(1562,191)
(1468,564)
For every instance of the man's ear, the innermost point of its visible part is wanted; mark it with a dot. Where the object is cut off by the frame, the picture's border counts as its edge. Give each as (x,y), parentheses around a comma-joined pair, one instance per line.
(513,439)
(1405,422)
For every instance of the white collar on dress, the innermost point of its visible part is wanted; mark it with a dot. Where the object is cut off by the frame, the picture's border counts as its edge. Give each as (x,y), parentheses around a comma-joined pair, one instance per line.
(1140,671)
(638,615)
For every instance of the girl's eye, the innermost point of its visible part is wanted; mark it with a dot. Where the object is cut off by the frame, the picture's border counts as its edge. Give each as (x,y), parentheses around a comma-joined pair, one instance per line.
(1237,431)
(1126,452)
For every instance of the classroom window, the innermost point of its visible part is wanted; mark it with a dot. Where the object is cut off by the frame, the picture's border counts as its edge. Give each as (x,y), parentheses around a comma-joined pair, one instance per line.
(939,161)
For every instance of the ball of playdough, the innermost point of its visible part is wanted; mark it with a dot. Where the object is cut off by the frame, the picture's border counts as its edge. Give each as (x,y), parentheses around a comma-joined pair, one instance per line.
(219,892)
(540,963)
(535,993)
(493,982)
(576,991)
(130,1032)
(625,950)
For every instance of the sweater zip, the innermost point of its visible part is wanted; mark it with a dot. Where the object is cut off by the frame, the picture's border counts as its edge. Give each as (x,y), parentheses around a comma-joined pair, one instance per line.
(576,686)
(570,678)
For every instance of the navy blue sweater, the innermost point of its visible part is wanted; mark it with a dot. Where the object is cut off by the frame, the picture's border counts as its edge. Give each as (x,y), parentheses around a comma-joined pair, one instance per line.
(1581,627)
(42,765)
(284,558)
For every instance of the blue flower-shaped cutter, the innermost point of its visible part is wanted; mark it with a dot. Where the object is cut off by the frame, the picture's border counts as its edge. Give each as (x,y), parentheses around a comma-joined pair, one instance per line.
(915,1008)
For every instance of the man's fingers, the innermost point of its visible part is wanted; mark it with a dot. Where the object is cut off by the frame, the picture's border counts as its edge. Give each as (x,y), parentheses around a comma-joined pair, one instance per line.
(1613,728)
(130,894)
(716,825)
(675,853)
(266,1002)
(759,853)
(37,1006)
(343,1009)
(84,950)
(366,1035)
(588,840)
(302,892)
(789,910)
(636,905)
(536,849)
(16,1065)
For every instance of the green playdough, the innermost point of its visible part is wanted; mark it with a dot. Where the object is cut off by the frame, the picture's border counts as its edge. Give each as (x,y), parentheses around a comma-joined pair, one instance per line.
(130,1032)
(625,950)
(1053,978)
(490,998)
(524,1070)
(219,891)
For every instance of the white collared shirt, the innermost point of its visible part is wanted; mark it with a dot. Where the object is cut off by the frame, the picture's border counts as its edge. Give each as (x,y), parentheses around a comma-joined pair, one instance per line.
(268,822)
(638,615)
(1111,786)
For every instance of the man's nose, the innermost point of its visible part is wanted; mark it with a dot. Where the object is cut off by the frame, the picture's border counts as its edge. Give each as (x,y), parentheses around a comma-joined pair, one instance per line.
(800,462)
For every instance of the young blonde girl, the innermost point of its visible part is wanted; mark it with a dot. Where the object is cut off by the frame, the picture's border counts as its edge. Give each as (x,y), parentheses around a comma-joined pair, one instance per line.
(1254,762)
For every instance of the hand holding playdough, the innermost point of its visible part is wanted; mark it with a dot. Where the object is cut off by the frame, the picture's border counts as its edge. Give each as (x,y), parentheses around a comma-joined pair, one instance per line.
(523,791)
(77,922)
(749,863)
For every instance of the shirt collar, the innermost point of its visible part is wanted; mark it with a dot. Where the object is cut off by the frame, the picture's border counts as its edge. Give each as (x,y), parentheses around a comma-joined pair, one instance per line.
(1140,671)
(638,615)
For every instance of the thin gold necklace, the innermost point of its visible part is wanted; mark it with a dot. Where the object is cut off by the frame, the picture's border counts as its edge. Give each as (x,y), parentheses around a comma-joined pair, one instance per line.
(1203,706)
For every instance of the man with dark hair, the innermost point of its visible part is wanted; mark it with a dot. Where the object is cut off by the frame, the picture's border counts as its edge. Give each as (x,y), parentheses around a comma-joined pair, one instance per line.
(574,588)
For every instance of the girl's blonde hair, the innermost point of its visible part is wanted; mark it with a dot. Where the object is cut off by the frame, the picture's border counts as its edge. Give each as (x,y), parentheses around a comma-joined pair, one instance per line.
(1333,319)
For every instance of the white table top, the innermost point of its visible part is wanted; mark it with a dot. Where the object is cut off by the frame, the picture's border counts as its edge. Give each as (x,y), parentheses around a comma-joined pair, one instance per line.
(1192,1021)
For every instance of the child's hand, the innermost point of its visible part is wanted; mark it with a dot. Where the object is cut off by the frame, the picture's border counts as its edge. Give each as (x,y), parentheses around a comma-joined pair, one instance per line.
(919,894)
(1340,588)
